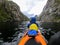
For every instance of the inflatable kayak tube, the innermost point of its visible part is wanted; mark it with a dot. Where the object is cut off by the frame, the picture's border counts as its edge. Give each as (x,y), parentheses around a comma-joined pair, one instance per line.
(37,40)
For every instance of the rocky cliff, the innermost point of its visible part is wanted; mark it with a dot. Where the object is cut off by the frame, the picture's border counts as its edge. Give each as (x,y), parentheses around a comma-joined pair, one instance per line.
(50,16)
(51,12)
(10,18)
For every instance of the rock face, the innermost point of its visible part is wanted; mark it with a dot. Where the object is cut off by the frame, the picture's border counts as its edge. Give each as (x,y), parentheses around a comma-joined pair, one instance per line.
(10,18)
(51,15)
(51,12)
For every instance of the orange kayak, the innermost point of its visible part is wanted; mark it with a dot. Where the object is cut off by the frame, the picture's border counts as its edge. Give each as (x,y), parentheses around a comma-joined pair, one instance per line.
(37,40)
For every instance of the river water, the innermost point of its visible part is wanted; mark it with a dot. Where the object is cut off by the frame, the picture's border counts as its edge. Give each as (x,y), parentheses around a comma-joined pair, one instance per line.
(16,37)
(19,33)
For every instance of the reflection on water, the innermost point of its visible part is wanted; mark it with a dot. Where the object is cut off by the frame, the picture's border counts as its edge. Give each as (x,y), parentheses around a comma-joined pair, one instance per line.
(55,26)
(11,37)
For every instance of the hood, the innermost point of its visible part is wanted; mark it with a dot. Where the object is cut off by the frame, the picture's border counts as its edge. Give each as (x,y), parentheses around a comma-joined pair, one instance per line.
(33,20)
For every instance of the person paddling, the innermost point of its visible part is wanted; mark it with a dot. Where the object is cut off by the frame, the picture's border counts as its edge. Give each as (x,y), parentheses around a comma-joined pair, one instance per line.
(33,26)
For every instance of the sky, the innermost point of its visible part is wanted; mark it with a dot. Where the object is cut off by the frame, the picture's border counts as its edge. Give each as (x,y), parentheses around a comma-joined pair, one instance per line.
(31,7)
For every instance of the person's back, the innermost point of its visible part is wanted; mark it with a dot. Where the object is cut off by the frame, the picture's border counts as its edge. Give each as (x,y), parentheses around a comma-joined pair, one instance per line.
(33,25)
